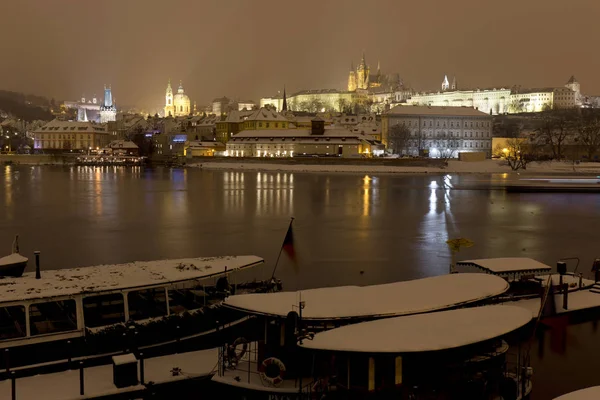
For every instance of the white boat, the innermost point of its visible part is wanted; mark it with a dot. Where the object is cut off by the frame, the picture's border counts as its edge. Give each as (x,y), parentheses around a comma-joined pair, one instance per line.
(13,264)
(375,301)
(531,281)
(457,353)
(591,393)
(92,310)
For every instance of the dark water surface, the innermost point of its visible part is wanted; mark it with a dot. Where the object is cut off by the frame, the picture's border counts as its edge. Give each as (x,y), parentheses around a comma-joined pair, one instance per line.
(390,227)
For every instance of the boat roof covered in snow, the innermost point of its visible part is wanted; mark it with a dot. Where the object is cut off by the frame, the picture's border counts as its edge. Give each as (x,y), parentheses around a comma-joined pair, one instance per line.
(108,278)
(591,393)
(507,266)
(392,299)
(437,331)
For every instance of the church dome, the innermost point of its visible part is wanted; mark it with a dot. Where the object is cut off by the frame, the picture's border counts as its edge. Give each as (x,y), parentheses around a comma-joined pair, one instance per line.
(181,102)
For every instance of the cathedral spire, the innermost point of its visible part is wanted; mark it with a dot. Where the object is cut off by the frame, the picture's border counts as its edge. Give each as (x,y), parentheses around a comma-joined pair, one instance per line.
(284,104)
(378,67)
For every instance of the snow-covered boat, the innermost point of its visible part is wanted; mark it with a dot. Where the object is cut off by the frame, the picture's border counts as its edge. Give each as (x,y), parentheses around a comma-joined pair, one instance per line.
(13,265)
(533,283)
(108,308)
(591,393)
(452,354)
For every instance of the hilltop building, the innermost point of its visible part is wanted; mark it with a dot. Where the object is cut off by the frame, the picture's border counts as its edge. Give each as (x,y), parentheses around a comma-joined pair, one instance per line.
(502,100)
(94,111)
(177,105)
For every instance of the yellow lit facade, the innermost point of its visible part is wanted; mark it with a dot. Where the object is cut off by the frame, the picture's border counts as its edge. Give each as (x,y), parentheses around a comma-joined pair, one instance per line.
(177,105)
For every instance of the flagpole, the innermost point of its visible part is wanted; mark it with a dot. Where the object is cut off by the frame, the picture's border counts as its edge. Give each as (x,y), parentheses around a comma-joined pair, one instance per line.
(281,249)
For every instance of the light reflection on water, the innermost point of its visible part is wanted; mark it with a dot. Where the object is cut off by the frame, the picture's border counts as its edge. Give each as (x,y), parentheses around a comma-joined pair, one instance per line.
(389,227)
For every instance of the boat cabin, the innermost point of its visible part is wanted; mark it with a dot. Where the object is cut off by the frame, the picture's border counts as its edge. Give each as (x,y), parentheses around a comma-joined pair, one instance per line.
(454,354)
(527,277)
(286,316)
(72,303)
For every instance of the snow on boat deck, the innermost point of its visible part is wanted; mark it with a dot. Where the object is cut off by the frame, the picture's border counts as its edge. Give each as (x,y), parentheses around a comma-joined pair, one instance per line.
(392,299)
(424,332)
(577,301)
(591,393)
(102,278)
(507,265)
(14,258)
(99,380)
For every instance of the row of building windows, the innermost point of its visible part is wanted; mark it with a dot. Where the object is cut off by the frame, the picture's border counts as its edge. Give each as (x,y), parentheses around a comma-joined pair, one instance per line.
(61,136)
(454,134)
(458,124)
(451,144)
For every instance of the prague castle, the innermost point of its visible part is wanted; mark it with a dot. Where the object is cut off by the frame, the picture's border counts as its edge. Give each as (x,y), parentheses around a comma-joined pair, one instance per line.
(177,105)
(362,79)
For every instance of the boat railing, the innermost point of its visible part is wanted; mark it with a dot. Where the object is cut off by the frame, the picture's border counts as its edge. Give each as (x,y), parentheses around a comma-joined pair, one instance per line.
(99,359)
(242,363)
(517,367)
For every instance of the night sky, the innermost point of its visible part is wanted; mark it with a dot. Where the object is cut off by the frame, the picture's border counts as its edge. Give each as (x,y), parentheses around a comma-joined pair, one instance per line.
(250,49)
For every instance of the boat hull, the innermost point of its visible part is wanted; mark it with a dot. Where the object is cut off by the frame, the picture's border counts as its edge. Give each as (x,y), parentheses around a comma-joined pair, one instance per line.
(13,269)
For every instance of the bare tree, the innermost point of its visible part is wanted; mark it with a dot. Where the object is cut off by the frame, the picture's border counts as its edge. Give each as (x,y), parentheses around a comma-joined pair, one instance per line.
(515,153)
(554,129)
(399,138)
(587,127)
(516,106)
(342,104)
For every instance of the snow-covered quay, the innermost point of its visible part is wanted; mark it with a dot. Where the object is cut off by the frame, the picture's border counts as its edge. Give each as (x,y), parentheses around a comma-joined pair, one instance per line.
(453,167)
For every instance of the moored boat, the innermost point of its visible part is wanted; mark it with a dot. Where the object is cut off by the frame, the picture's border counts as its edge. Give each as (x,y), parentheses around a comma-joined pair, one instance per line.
(13,264)
(451,354)
(591,393)
(59,314)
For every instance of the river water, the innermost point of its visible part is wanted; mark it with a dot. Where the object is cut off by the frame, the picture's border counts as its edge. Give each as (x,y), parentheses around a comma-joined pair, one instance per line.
(348,228)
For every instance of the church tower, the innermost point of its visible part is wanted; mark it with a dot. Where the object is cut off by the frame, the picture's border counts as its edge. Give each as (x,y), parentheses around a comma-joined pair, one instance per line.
(445,84)
(576,87)
(169,109)
(454,86)
(108,111)
(352,79)
(362,74)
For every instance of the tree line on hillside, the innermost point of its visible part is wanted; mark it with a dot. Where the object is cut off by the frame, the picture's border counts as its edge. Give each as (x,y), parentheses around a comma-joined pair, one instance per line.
(26,107)
(561,134)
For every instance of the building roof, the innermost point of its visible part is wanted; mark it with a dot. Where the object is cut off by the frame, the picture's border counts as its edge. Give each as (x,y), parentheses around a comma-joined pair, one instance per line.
(392,299)
(69,126)
(436,110)
(237,116)
(508,265)
(424,332)
(122,144)
(591,393)
(572,80)
(104,278)
(264,114)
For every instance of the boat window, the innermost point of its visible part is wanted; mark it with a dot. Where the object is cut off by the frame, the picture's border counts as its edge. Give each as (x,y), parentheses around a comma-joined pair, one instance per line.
(12,322)
(103,310)
(52,317)
(149,303)
(185,298)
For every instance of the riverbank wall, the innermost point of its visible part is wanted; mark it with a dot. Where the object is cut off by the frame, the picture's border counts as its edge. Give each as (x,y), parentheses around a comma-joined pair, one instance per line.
(34,159)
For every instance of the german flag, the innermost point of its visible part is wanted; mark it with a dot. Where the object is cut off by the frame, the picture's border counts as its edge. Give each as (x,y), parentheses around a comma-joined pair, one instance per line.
(288,243)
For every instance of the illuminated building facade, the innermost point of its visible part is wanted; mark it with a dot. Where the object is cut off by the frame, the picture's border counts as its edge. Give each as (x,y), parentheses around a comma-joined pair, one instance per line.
(177,105)
(318,140)
(71,136)
(108,111)
(502,100)
(437,131)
